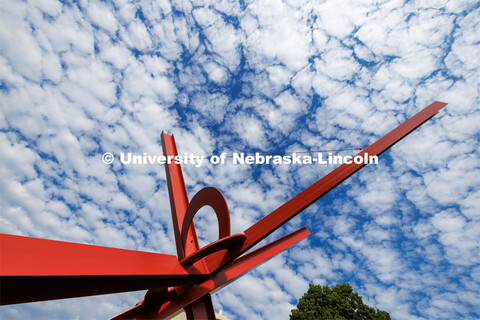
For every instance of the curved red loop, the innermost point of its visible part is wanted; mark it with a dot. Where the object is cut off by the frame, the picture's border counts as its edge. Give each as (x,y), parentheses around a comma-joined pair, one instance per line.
(208,196)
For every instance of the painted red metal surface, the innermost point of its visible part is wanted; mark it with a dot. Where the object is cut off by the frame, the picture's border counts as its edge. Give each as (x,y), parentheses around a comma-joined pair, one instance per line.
(178,200)
(25,256)
(187,242)
(226,243)
(216,281)
(233,271)
(37,269)
(212,197)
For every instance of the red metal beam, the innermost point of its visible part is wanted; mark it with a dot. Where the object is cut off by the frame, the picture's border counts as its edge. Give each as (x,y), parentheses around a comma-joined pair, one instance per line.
(291,208)
(215,282)
(187,243)
(25,256)
(287,211)
(38,269)
(178,200)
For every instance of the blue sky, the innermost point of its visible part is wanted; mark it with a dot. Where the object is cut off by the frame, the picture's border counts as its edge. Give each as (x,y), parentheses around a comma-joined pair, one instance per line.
(82,78)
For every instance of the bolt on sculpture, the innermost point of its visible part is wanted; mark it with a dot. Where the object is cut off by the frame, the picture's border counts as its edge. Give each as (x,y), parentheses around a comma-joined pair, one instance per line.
(37,269)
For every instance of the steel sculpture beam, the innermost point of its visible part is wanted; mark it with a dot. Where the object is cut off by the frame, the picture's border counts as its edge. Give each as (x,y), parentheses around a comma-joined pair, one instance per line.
(37,269)
(183,226)
(214,282)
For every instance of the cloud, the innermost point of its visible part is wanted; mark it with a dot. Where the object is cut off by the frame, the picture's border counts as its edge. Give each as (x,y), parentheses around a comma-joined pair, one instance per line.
(81,79)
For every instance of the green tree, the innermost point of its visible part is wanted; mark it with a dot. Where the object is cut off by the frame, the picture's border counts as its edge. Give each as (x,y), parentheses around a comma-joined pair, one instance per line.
(337,303)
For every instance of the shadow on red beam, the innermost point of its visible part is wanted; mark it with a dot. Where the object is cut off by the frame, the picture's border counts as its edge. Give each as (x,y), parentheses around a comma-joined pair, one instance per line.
(31,289)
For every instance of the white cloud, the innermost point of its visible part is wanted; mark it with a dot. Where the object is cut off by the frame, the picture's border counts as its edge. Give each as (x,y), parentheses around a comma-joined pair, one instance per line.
(101,15)
(137,36)
(279,36)
(80,79)
(250,129)
(337,62)
(19,46)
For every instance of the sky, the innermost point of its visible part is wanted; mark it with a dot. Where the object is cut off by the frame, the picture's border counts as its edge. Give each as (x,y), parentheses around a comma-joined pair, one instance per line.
(81,78)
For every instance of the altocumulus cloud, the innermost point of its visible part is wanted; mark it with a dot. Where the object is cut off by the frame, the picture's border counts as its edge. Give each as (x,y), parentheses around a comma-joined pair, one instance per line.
(82,78)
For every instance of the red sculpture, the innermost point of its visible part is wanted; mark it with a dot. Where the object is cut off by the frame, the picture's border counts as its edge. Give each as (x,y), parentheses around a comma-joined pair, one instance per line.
(37,269)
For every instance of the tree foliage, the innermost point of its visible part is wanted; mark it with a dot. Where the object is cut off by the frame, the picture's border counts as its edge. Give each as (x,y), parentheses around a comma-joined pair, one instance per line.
(337,303)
